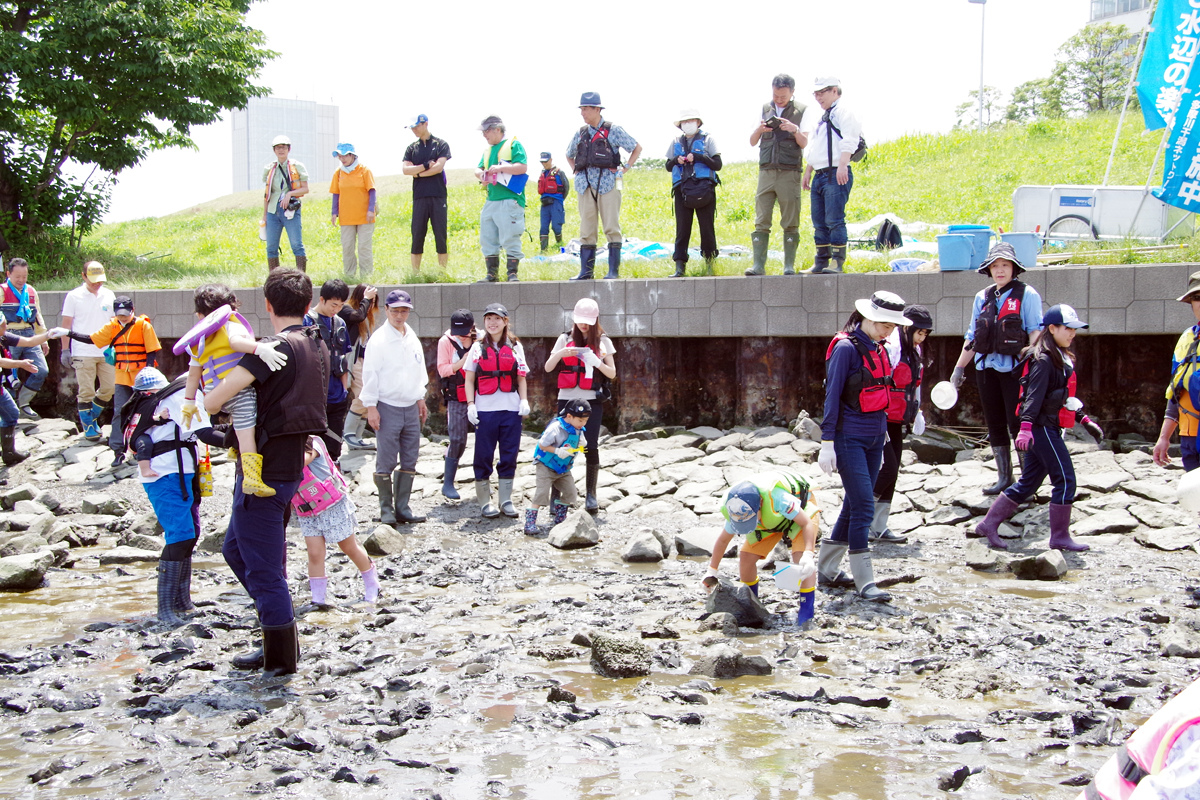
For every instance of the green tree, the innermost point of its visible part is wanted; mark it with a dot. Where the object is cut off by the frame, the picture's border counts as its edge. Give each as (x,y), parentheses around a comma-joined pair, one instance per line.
(1093,67)
(1036,99)
(968,112)
(93,86)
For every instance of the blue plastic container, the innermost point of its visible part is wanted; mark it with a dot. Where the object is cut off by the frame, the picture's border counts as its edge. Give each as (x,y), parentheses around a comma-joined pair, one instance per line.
(956,251)
(983,241)
(1027,245)
(906,264)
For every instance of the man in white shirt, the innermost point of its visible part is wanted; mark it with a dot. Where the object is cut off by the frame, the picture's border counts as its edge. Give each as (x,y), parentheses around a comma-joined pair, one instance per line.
(828,175)
(86,309)
(395,381)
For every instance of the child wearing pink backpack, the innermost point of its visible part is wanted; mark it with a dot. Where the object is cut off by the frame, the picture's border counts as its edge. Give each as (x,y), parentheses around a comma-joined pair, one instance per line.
(326,514)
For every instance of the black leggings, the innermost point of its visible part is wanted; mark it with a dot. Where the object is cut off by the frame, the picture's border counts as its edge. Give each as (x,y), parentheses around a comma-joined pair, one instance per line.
(178,551)
(705,218)
(885,484)
(998,393)
(591,433)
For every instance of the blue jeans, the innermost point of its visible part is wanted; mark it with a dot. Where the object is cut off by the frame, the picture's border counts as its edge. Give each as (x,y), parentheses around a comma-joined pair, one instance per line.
(858,461)
(502,428)
(276,225)
(553,215)
(1191,459)
(8,409)
(34,380)
(1047,456)
(116,436)
(255,549)
(828,205)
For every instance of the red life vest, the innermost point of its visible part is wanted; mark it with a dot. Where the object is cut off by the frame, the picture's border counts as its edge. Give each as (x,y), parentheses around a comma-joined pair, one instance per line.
(548,183)
(496,369)
(1066,417)
(1000,329)
(866,390)
(573,372)
(905,395)
(455,387)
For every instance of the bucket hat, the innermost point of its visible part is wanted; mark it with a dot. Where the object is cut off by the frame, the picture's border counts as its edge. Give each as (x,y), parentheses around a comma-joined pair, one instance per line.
(1193,288)
(883,307)
(1003,250)
(688,113)
(344,149)
(920,316)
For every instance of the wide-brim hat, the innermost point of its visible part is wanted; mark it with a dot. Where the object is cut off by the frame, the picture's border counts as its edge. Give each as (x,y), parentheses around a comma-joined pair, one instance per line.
(1003,250)
(590,99)
(883,307)
(688,113)
(1193,288)
(344,149)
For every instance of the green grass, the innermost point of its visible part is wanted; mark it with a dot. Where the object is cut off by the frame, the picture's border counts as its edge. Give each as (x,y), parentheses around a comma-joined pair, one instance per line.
(959,177)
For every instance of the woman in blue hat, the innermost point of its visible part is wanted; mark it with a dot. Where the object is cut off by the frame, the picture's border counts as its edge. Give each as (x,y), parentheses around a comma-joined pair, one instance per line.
(353,191)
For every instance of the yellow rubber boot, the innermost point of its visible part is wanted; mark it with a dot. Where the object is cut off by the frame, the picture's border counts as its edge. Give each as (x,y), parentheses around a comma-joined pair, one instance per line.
(252,482)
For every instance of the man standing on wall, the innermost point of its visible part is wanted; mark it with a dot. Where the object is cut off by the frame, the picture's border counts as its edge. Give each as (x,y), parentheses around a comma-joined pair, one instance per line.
(86,309)
(425,160)
(835,139)
(503,171)
(781,135)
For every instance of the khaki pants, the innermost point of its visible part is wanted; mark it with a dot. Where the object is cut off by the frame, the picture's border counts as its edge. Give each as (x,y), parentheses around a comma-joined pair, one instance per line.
(356,384)
(782,185)
(593,207)
(547,479)
(365,263)
(87,370)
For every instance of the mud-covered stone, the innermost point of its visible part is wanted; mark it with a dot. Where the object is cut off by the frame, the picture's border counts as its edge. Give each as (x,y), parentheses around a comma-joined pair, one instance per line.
(619,657)
(722,661)
(384,541)
(578,530)
(643,547)
(738,600)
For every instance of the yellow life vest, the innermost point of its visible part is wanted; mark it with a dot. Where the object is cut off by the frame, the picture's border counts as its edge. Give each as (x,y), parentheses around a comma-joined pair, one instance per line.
(503,154)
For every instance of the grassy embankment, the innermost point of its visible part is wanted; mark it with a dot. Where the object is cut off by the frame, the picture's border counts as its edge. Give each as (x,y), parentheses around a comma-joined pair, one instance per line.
(959,177)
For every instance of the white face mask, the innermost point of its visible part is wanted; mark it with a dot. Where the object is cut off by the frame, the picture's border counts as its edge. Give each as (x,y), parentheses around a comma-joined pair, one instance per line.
(350,168)
(690,128)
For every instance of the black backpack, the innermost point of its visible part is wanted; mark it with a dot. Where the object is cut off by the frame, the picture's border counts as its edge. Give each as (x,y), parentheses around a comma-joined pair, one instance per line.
(138,411)
(888,236)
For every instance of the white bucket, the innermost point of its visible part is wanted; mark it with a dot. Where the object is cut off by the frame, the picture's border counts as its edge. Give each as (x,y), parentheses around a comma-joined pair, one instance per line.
(944,395)
(1189,490)
(787,577)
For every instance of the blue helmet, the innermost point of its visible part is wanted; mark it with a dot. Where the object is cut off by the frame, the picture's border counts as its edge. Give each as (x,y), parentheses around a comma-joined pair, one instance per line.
(742,505)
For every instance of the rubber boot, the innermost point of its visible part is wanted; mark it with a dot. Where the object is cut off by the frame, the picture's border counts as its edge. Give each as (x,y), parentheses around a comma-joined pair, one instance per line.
(558,238)
(591,504)
(680,269)
(614,261)
(402,487)
(170,574)
(506,504)
(317,587)
(864,578)
(837,258)
(251,659)
(252,482)
(1004,471)
(370,584)
(758,244)
(808,604)
(1060,530)
(91,431)
(820,261)
(281,649)
(272,264)
(753,586)
(302,263)
(448,489)
(829,560)
(24,398)
(387,508)
(483,496)
(545,241)
(184,598)
(352,432)
(492,263)
(8,443)
(790,242)
(587,262)
(559,512)
(511,266)
(709,262)
(1001,509)
(879,530)
(531,528)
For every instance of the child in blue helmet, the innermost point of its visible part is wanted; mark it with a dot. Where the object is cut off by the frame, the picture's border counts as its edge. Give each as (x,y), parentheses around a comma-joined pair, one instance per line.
(553,459)
(765,509)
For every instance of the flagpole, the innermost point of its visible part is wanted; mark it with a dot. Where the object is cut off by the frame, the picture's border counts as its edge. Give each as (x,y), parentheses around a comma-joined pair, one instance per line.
(1137,63)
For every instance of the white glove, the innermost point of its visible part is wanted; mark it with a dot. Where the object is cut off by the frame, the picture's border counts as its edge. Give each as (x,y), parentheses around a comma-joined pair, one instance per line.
(827,461)
(472,414)
(56,333)
(590,358)
(269,356)
(524,410)
(564,452)
(919,424)
(1073,404)
(807,565)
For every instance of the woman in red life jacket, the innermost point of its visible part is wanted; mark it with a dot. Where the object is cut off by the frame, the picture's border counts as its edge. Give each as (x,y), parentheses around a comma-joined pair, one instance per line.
(1048,404)
(359,316)
(858,377)
(584,359)
(904,349)
(452,352)
(496,402)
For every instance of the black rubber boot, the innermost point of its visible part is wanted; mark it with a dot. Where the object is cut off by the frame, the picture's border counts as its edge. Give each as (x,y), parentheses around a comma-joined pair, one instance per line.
(387,506)
(680,269)
(614,260)
(8,447)
(1004,477)
(448,489)
(493,268)
(281,649)
(820,261)
(709,261)
(402,487)
(591,503)
(184,602)
(558,238)
(170,575)
(587,262)
(512,270)
(837,258)
(249,660)
(545,241)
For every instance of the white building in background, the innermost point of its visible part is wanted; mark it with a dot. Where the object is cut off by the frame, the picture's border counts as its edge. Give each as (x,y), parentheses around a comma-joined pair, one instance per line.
(313,129)
(1133,14)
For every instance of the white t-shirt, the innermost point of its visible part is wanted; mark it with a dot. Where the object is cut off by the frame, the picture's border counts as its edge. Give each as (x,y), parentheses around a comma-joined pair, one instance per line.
(606,349)
(167,463)
(497,401)
(89,312)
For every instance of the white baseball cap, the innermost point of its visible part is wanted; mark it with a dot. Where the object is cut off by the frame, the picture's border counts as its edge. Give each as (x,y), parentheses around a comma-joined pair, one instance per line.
(825,83)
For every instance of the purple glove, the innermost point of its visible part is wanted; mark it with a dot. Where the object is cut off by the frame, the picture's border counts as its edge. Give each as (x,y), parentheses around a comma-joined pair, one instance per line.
(1091,427)
(1025,437)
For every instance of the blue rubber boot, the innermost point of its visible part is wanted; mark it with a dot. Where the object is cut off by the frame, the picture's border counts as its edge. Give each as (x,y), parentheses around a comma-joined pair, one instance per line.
(807,606)
(754,587)
(87,418)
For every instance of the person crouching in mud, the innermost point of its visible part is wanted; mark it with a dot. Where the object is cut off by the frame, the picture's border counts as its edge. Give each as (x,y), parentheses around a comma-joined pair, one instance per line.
(765,509)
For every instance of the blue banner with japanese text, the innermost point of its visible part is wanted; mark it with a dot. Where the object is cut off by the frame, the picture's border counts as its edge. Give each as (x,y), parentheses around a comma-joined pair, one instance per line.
(1181,168)
(1171,47)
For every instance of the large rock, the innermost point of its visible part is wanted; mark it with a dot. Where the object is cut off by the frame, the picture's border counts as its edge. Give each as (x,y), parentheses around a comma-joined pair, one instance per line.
(700,542)
(948,515)
(634,466)
(384,541)
(677,455)
(577,530)
(931,450)
(724,622)
(654,508)
(24,543)
(1181,641)
(1047,566)
(738,600)
(724,661)
(903,523)
(128,555)
(62,554)
(1105,481)
(147,525)
(1179,537)
(65,532)
(643,548)
(10,497)
(1156,515)
(729,440)
(1112,521)
(707,433)
(980,556)
(141,541)
(624,505)
(619,657)
(24,572)
(756,442)
(30,507)
(1158,492)
(104,504)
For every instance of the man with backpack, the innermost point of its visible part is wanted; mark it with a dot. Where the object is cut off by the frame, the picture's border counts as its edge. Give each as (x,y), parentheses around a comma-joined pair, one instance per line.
(553,188)
(836,141)
(333,331)
(780,136)
(594,155)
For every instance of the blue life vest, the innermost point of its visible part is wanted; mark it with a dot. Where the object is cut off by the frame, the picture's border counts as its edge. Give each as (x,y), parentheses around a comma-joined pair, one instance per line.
(697,169)
(559,465)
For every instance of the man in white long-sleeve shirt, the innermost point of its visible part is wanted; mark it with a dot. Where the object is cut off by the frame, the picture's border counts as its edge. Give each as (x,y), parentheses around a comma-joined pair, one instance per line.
(395,381)
(828,176)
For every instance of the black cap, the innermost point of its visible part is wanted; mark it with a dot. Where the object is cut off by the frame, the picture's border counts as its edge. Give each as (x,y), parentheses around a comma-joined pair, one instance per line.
(461,322)
(496,308)
(920,316)
(122,303)
(398,298)
(577,408)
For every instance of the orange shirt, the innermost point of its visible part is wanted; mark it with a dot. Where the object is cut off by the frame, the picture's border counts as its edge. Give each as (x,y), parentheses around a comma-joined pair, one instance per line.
(352,188)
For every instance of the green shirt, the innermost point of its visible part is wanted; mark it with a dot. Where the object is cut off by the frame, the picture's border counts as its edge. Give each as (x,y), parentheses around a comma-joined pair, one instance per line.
(494,190)
(277,185)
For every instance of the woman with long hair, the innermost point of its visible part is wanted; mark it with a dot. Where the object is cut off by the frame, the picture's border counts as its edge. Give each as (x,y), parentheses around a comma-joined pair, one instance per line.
(359,316)
(584,359)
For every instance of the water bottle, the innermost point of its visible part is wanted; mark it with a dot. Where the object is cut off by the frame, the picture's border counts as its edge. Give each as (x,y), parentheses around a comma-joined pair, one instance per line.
(787,577)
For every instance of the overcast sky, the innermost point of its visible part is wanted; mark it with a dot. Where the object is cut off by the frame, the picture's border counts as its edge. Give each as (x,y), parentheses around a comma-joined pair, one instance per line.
(904,66)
